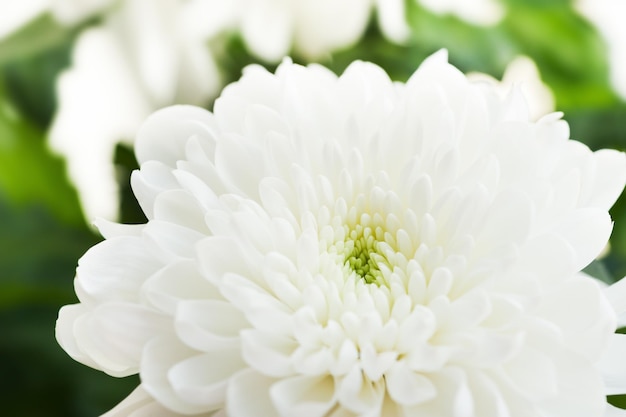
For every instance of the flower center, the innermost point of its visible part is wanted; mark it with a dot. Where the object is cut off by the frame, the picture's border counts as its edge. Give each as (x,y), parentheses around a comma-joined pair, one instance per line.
(364,252)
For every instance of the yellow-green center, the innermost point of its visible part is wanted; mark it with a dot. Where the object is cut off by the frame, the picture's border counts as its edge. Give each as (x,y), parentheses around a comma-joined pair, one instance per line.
(363,255)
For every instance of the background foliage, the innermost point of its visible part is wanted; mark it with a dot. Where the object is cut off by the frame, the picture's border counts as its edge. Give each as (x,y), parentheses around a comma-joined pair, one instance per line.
(43,232)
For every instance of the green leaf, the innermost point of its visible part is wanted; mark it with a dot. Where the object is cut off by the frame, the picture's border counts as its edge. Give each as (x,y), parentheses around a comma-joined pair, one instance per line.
(569,52)
(29,173)
(571,55)
(39,35)
(599,271)
(471,48)
(38,255)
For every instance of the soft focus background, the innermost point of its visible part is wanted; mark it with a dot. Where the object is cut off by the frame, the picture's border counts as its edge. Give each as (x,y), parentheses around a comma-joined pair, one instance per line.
(76,79)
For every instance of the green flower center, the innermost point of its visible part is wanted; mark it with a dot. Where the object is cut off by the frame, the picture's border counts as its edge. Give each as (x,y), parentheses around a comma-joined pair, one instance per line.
(363,253)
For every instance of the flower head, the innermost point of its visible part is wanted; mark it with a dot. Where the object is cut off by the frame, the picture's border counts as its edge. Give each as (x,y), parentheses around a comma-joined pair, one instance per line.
(350,246)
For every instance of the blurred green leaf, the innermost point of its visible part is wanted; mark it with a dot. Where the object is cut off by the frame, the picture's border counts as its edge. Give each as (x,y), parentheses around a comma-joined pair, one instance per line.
(470,47)
(38,256)
(41,34)
(569,52)
(28,171)
(599,271)
(30,83)
(399,61)
(125,164)
(616,259)
(41,380)
(599,127)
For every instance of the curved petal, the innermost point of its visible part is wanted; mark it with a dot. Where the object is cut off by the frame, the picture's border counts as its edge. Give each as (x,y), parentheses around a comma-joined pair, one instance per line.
(140,404)
(612,366)
(248,395)
(304,395)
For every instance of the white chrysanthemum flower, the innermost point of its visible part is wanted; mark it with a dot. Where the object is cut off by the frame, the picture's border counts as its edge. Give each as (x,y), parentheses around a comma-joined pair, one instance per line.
(349,246)
(141,59)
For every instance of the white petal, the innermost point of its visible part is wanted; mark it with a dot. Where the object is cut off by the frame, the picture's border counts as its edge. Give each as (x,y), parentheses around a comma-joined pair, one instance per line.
(613,366)
(268,353)
(119,331)
(178,206)
(110,337)
(115,269)
(164,134)
(110,229)
(207,325)
(609,178)
(140,404)
(171,241)
(586,328)
(616,295)
(248,395)
(453,396)
(303,395)
(587,230)
(533,373)
(177,282)
(65,333)
(580,392)
(358,394)
(202,380)
(221,255)
(323,26)
(612,411)
(159,357)
(269,42)
(392,20)
(408,387)
(153,178)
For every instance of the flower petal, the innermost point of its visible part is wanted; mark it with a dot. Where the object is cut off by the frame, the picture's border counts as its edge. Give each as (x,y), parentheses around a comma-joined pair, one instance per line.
(304,395)
(248,395)
(613,366)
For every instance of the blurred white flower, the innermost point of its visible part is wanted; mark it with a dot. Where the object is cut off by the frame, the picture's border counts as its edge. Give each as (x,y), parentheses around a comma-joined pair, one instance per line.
(271,29)
(608,17)
(523,73)
(141,59)
(349,246)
